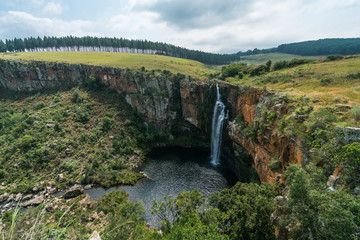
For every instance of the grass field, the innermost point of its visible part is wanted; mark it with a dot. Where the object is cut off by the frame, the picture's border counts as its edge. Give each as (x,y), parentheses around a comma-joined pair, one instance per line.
(330,82)
(119,60)
(274,57)
(324,80)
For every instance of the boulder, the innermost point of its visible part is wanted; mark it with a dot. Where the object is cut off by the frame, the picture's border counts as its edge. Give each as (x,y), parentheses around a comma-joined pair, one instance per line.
(33,202)
(4,197)
(85,200)
(87,187)
(11,197)
(74,191)
(36,189)
(92,204)
(51,190)
(63,208)
(60,177)
(27,197)
(18,197)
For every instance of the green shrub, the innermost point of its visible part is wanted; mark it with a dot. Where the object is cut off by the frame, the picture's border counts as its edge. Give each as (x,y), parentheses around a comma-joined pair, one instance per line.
(274,164)
(250,133)
(333,58)
(70,165)
(355,113)
(60,115)
(57,127)
(246,209)
(38,105)
(57,99)
(93,83)
(26,142)
(82,115)
(107,124)
(2,174)
(123,146)
(76,96)
(325,81)
(321,118)
(234,69)
(239,120)
(353,76)
(336,99)
(288,64)
(259,70)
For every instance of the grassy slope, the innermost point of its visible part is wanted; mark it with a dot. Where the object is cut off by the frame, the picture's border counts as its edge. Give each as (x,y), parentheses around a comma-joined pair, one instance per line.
(329,82)
(120,60)
(32,151)
(274,57)
(306,80)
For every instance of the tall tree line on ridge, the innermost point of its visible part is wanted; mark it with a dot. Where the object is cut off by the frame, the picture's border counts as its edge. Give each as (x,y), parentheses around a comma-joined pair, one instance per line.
(31,43)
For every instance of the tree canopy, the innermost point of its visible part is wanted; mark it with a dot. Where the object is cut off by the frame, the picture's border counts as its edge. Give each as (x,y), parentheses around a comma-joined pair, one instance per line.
(112,44)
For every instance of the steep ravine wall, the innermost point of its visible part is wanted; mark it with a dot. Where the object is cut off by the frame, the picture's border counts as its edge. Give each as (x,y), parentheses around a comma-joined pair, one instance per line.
(168,100)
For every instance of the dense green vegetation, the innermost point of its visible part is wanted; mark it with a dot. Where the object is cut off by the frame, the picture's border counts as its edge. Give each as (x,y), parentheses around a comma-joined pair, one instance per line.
(31,43)
(242,211)
(344,46)
(85,135)
(312,212)
(321,47)
(311,206)
(242,70)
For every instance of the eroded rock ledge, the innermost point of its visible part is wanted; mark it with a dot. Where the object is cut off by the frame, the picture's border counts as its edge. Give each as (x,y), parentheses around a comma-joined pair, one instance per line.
(171,101)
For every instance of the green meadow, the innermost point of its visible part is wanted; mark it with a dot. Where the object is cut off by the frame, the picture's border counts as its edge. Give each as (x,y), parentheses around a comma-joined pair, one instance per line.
(118,60)
(274,57)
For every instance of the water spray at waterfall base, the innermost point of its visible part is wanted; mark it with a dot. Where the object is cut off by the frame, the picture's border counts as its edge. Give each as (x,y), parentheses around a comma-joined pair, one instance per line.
(216,128)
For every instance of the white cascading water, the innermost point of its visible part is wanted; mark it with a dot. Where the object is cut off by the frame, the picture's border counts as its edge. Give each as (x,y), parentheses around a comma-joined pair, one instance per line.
(216,128)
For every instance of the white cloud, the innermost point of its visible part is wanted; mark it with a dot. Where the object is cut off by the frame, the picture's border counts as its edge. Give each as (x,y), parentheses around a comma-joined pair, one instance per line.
(55,8)
(17,23)
(256,23)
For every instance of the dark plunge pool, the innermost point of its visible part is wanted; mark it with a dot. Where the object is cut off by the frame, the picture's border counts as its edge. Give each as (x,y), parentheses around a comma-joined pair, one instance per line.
(172,170)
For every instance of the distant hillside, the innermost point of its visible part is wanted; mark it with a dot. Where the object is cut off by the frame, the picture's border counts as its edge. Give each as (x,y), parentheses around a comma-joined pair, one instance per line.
(104,44)
(344,46)
(329,46)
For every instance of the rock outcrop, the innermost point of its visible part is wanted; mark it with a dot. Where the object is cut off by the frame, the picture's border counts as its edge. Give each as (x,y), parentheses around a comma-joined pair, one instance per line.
(74,191)
(175,101)
(33,202)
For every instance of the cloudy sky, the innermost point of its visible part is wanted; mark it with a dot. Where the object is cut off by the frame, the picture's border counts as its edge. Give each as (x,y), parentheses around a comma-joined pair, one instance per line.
(224,26)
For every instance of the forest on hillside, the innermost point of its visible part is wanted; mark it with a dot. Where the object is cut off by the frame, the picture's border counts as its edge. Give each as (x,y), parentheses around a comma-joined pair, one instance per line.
(344,46)
(71,43)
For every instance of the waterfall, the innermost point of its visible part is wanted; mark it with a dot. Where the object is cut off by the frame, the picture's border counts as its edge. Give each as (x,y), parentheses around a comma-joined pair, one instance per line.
(216,128)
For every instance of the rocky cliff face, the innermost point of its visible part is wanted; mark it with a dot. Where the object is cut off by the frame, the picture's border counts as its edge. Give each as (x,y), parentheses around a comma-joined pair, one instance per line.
(167,99)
